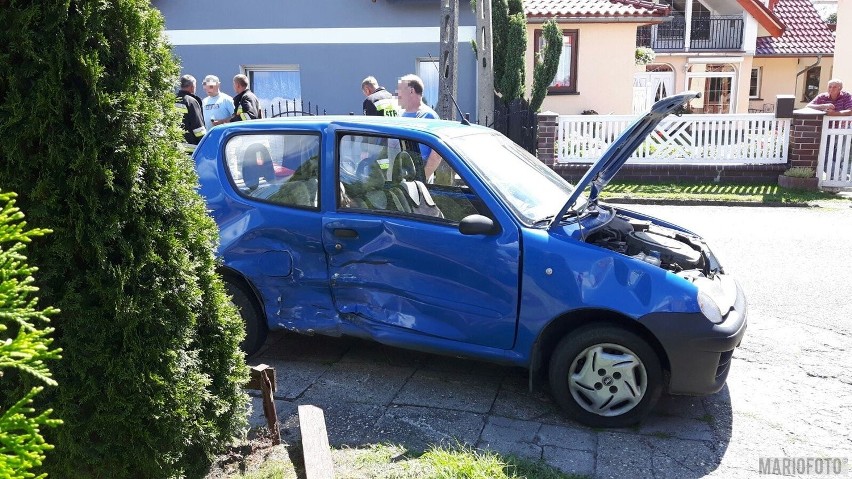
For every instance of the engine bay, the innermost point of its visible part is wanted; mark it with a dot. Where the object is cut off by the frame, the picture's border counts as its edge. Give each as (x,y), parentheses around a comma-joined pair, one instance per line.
(642,239)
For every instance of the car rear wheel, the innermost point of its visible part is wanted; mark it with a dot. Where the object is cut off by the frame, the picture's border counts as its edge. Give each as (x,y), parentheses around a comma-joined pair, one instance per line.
(252,316)
(605,376)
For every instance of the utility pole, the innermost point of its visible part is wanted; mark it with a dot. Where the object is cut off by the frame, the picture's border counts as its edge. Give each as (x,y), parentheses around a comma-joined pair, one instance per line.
(484,66)
(447,84)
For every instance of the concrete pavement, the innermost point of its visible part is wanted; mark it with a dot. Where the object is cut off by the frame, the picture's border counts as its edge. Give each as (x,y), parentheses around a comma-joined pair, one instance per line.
(376,394)
(787,395)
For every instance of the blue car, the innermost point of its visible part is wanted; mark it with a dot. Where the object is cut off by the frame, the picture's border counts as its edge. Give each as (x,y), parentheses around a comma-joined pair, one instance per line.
(449,238)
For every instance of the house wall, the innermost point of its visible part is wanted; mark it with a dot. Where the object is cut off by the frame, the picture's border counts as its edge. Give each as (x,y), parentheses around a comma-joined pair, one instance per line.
(779,77)
(680,65)
(605,66)
(843,44)
(335,43)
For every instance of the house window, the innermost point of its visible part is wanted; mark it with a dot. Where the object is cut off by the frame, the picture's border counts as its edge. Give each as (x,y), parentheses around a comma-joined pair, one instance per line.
(427,70)
(811,88)
(566,75)
(716,82)
(754,82)
(278,87)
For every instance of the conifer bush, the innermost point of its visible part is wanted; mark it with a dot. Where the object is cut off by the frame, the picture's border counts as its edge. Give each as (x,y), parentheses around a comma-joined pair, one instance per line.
(150,382)
(25,346)
(509,42)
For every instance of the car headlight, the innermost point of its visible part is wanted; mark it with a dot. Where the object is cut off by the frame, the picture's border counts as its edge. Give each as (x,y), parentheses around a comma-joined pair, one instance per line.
(709,308)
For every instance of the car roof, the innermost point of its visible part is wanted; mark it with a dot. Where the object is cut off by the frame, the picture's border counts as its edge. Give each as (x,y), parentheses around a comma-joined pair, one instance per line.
(440,128)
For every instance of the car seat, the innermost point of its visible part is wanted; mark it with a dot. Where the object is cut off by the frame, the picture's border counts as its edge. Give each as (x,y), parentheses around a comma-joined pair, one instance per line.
(368,191)
(414,191)
(301,188)
(257,164)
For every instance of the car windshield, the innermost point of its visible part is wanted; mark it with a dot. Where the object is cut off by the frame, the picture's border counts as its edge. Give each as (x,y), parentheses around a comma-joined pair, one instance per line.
(532,190)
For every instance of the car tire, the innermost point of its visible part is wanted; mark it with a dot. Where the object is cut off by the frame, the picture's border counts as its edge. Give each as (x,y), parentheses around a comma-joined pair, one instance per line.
(251,313)
(605,376)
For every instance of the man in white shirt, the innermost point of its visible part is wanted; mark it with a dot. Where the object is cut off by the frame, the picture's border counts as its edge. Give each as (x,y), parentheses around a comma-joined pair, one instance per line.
(218,107)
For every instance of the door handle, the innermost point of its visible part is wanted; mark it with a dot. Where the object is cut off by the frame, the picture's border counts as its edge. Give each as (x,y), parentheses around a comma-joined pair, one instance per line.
(345,233)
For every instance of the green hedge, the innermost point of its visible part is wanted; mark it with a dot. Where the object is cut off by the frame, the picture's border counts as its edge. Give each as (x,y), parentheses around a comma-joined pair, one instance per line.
(25,346)
(150,384)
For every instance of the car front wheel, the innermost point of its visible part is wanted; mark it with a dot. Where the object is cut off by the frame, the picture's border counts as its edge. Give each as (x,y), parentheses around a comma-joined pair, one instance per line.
(252,316)
(605,376)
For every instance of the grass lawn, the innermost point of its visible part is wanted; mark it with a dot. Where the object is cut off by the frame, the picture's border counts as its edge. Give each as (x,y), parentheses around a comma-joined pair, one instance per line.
(389,461)
(765,193)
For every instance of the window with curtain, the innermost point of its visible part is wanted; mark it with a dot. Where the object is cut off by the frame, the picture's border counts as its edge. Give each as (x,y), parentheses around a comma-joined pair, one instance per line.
(811,87)
(566,75)
(754,83)
(427,70)
(278,87)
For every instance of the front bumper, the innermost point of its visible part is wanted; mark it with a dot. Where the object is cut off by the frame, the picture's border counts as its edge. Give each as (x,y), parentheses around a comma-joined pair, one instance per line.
(698,351)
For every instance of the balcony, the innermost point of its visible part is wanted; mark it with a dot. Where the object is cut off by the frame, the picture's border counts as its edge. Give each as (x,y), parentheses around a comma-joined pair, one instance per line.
(706,33)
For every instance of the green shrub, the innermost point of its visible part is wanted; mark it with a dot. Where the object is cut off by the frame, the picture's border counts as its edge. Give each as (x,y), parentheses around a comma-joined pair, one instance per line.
(800,172)
(545,67)
(511,84)
(644,55)
(150,384)
(24,348)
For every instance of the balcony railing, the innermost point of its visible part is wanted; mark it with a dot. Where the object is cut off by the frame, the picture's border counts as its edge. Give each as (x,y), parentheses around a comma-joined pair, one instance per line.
(717,32)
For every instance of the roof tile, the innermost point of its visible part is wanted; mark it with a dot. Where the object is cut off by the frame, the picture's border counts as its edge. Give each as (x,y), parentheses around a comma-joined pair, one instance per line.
(593,8)
(806,33)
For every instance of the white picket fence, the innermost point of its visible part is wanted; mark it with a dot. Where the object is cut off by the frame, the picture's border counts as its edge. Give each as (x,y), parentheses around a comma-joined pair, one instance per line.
(835,153)
(754,138)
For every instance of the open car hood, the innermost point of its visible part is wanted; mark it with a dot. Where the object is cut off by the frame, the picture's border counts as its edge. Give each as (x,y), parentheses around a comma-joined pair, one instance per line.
(603,170)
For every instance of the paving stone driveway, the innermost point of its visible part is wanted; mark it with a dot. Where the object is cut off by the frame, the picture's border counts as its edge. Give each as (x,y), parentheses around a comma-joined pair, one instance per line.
(790,385)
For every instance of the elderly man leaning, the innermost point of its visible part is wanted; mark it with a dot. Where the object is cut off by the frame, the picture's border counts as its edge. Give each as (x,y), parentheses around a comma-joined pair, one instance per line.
(835,102)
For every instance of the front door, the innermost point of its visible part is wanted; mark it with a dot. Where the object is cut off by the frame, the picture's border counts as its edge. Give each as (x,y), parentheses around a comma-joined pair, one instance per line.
(395,263)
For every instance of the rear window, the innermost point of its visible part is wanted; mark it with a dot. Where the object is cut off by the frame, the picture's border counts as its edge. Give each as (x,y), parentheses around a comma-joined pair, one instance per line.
(276,168)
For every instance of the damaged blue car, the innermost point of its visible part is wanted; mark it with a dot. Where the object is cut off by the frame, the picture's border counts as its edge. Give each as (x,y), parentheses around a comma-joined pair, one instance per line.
(449,238)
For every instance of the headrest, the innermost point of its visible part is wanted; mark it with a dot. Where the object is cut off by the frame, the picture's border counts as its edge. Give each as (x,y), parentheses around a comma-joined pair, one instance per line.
(257,164)
(403,167)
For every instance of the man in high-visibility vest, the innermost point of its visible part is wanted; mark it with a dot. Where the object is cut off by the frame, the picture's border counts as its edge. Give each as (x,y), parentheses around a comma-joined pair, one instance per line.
(190,105)
(379,102)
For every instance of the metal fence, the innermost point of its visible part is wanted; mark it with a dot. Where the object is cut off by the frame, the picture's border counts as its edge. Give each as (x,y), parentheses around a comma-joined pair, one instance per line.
(296,107)
(517,121)
(707,32)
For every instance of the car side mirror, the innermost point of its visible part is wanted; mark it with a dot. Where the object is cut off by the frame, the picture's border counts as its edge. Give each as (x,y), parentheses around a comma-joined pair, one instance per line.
(477,225)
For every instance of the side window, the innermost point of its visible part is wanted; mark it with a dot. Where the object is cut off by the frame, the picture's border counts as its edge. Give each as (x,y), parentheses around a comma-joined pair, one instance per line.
(276,168)
(388,175)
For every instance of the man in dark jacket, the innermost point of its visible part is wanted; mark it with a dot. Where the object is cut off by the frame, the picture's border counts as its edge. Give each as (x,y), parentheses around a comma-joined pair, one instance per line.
(246,104)
(379,102)
(190,105)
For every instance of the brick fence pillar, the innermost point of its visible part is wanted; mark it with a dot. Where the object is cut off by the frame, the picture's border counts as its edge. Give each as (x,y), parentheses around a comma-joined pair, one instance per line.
(548,122)
(805,135)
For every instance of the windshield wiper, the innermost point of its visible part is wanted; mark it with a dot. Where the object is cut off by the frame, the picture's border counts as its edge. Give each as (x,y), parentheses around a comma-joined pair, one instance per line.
(544,221)
(548,219)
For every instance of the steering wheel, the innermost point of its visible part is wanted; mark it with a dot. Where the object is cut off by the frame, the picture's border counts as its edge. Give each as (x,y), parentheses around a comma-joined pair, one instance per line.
(363,169)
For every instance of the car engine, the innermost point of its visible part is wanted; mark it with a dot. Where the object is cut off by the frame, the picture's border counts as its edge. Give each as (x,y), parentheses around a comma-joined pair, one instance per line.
(670,249)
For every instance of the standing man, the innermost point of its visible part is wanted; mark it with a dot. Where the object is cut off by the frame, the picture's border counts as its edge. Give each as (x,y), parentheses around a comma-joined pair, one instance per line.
(190,106)
(379,102)
(218,106)
(246,105)
(410,92)
(835,102)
